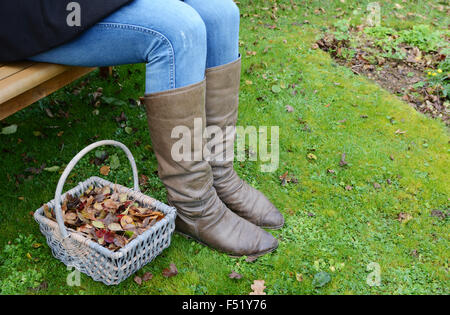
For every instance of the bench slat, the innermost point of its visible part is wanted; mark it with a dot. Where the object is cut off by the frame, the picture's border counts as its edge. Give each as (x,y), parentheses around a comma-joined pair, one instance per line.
(13,68)
(42,89)
(28,78)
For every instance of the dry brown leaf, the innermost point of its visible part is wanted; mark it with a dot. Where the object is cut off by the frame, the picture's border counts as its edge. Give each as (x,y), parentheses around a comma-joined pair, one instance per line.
(138,280)
(258,287)
(104,170)
(147,276)
(171,271)
(234,275)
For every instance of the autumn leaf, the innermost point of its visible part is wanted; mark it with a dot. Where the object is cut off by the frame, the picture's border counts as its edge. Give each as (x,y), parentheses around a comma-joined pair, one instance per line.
(343,162)
(98,224)
(104,170)
(109,237)
(276,89)
(234,275)
(129,130)
(311,156)
(283,178)
(258,288)
(147,276)
(138,280)
(404,217)
(251,259)
(114,162)
(289,108)
(52,169)
(47,212)
(171,271)
(143,180)
(115,227)
(100,212)
(126,221)
(321,279)
(9,130)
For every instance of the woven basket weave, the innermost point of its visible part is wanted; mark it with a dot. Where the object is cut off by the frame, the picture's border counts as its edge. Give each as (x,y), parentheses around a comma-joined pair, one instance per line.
(96,261)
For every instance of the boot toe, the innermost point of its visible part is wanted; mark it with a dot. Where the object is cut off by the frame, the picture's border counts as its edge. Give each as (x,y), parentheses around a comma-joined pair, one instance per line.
(268,244)
(273,219)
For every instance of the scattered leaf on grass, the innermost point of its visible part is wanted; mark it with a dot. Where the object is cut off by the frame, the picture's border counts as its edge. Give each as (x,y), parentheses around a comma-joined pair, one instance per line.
(258,287)
(138,280)
(52,169)
(276,89)
(129,130)
(113,101)
(311,156)
(438,214)
(9,130)
(147,276)
(171,271)
(114,162)
(321,279)
(343,162)
(104,170)
(404,217)
(251,259)
(143,180)
(234,275)
(121,118)
(283,178)
(299,277)
(289,108)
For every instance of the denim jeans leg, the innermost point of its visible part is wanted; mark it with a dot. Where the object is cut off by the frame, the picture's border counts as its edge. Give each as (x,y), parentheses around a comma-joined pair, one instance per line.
(222,19)
(168,35)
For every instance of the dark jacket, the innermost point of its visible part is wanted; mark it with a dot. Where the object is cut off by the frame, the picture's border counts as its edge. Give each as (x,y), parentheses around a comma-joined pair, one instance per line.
(28,27)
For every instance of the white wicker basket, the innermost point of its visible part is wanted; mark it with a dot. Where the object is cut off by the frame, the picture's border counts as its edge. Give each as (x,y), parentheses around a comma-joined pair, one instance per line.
(98,262)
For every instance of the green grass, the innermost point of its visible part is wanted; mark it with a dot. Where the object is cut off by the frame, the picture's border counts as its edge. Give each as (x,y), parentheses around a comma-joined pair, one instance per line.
(327,227)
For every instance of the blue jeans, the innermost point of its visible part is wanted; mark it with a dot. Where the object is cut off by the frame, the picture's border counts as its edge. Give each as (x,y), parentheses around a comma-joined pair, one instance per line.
(177,41)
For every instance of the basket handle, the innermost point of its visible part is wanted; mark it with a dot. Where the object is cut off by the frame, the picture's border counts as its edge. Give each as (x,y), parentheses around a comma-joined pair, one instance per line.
(71,165)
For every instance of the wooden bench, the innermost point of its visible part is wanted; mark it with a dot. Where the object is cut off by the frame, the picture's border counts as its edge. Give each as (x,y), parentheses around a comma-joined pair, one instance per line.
(23,83)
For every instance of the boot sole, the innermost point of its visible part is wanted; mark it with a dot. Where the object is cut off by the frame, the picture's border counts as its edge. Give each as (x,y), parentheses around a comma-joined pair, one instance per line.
(230,255)
(278,227)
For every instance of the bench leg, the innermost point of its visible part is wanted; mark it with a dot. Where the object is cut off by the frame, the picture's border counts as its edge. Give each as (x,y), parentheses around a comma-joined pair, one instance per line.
(106,72)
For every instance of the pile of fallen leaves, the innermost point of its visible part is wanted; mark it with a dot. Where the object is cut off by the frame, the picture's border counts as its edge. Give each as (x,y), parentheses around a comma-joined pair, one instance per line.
(405,76)
(106,216)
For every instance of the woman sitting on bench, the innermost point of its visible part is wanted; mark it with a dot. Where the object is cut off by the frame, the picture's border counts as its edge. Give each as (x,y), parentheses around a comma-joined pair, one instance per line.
(192,71)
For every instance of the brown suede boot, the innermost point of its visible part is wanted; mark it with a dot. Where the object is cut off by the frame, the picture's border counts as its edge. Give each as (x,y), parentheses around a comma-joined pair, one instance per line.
(200,213)
(222,99)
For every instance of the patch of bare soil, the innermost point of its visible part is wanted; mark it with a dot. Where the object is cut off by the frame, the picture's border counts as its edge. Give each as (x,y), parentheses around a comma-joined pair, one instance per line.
(404,77)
